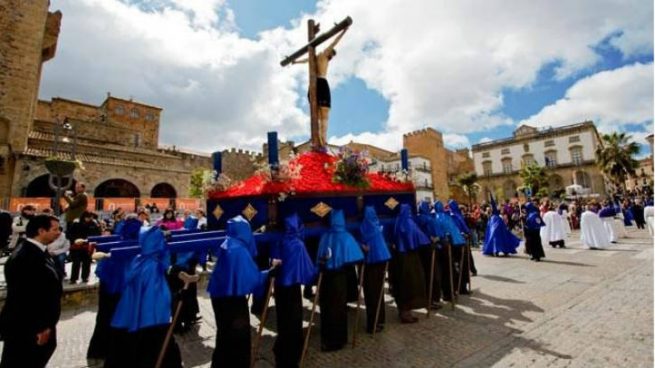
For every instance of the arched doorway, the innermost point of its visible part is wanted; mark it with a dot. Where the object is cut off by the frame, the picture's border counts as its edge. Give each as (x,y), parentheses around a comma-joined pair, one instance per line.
(117,188)
(509,189)
(163,190)
(555,182)
(39,187)
(582,178)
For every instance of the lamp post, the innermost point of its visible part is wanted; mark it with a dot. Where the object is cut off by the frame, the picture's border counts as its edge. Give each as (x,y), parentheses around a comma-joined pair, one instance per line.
(60,169)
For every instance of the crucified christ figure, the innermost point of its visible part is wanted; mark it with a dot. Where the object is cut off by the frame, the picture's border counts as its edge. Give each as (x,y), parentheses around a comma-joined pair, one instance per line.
(323,99)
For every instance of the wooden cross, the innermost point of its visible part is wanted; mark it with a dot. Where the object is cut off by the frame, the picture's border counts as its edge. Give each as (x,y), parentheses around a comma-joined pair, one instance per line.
(309,49)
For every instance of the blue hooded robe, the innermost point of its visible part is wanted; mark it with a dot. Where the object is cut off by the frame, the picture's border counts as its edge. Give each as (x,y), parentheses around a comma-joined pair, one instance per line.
(446,222)
(408,236)
(337,245)
(235,272)
(427,222)
(497,238)
(457,216)
(297,267)
(130,229)
(146,299)
(371,235)
(191,223)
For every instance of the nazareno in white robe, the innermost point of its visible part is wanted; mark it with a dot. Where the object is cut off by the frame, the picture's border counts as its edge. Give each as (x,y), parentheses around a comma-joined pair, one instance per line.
(619,226)
(565,222)
(608,224)
(553,230)
(592,231)
(648,216)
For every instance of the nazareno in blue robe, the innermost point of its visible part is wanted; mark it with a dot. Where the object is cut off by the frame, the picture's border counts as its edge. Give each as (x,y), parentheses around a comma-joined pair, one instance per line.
(371,235)
(497,238)
(426,221)
(146,299)
(457,216)
(408,236)
(235,272)
(338,247)
(297,267)
(446,222)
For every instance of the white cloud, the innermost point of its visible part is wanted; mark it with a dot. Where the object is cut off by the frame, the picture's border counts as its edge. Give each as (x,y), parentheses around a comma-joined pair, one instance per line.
(485,140)
(612,99)
(440,63)
(456,141)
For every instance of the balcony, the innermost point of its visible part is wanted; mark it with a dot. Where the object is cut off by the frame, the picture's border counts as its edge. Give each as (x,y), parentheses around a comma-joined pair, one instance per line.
(425,167)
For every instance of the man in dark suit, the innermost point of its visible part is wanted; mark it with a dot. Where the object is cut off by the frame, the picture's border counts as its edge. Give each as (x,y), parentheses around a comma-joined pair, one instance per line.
(32,307)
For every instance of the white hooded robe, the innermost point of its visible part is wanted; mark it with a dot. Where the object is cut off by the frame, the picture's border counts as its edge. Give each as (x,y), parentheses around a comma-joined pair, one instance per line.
(592,231)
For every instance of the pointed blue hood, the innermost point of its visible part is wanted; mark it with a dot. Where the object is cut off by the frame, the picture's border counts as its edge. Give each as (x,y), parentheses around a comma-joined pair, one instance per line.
(337,245)
(371,233)
(297,267)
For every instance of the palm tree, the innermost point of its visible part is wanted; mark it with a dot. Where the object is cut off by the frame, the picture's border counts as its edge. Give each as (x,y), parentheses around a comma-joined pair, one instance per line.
(468,182)
(615,157)
(535,177)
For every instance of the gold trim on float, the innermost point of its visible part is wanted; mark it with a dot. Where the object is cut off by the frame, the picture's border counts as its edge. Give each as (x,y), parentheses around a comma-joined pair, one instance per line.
(391,203)
(249,212)
(218,212)
(321,209)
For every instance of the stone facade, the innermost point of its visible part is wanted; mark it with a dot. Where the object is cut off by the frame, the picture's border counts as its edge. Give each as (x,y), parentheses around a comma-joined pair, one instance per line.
(117,141)
(568,153)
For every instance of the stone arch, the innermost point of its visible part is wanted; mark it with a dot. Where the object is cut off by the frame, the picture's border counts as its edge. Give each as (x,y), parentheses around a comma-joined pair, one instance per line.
(39,187)
(163,190)
(555,182)
(583,178)
(117,188)
(509,189)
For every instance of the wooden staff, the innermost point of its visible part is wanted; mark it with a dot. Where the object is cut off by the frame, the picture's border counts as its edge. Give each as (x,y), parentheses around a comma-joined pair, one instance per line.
(461,270)
(434,250)
(450,275)
(468,266)
(187,279)
(380,299)
(263,321)
(311,319)
(359,302)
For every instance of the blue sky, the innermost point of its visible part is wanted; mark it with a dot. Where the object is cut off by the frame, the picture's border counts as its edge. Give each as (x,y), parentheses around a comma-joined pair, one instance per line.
(472,71)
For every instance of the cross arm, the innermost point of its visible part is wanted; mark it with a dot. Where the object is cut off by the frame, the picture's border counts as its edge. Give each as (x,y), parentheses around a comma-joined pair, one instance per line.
(317,41)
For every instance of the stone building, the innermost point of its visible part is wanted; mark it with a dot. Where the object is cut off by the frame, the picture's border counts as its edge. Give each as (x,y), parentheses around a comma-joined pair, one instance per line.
(568,153)
(117,141)
(643,181)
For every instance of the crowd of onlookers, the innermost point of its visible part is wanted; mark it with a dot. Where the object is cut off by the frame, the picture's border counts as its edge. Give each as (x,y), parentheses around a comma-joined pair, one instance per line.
(73,245)
(514,215)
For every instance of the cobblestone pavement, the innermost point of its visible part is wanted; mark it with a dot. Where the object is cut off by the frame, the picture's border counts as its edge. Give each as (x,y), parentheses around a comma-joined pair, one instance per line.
(577,308)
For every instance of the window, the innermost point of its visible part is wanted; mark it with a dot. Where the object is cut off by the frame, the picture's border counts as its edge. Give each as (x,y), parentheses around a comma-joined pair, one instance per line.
(551,158)
(528,160)
(549,143)
(526,147)
(485,154)
(119,110)
(134,113)
(150,116)
(576,155)
(507,166)
(574,138)
(486,167)
(137,139)
(504,151)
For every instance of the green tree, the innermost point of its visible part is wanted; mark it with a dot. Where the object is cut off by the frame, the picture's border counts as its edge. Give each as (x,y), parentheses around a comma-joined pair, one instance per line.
(615,157)
(197,183)
(468,182)
(535,177)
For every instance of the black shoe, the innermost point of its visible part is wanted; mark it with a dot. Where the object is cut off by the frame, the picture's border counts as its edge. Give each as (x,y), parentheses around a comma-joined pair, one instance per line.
(327,348)
(436,306)
(195,320)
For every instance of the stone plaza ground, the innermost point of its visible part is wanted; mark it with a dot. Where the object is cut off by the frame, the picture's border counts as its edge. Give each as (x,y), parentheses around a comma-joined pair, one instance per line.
(577,308)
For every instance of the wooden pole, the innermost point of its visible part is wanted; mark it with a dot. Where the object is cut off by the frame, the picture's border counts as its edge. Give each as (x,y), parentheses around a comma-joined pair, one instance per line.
(359,302)
(313,42)
(311,319)
(262,322)
(431,282)
(380,299)
(450,275)
(313,106)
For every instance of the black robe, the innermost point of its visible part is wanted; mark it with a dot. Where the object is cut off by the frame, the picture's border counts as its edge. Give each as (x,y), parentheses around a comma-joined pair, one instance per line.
(333,299)
(533,244)
(373,285)
(141,349)
(289,341)
(408,281)
(233,340)
(101,338)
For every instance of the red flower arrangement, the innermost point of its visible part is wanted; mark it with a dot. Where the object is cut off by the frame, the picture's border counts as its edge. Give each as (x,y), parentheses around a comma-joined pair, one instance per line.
(315,176)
